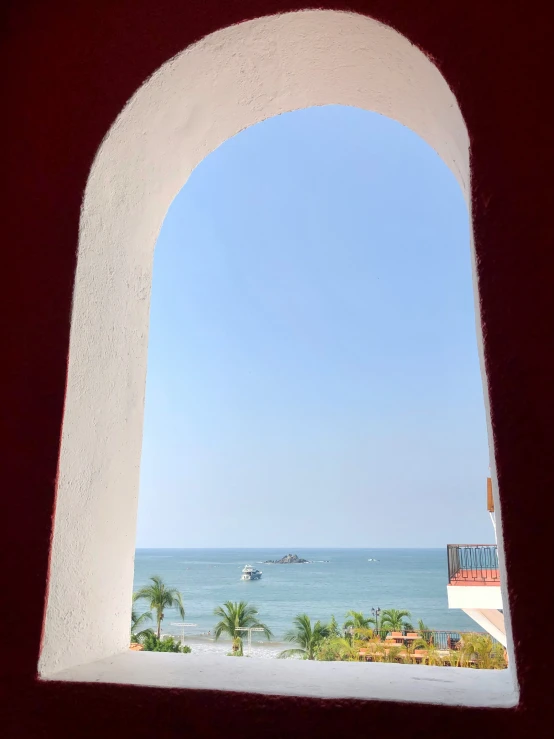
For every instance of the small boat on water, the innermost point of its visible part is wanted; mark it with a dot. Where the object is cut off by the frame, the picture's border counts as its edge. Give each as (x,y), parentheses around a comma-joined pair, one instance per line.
(373,560)
(251,573)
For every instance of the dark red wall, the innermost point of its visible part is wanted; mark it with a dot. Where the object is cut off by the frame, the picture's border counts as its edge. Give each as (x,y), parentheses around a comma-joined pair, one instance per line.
(68,69)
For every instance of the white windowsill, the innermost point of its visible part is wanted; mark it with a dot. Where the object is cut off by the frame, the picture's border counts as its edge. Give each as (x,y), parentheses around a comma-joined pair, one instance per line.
(366,681)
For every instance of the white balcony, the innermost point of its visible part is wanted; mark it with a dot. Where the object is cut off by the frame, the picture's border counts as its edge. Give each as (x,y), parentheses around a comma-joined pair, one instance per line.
(474,596)
(474,586)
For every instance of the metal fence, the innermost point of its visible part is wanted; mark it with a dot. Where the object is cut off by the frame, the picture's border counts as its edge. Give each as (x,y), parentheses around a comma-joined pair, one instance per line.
(475,564)
(440,639)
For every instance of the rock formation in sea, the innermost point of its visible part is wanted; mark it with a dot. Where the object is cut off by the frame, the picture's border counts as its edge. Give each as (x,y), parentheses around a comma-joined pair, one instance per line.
(288,559)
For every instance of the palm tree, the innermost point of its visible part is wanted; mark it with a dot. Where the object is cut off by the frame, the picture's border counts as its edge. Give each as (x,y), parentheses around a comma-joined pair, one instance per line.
(481,649)
(357,620)
(424,630)
(432,656)
(455,658)
(138,634)
(375,649)
(236,649)
(360,637)
(307,638)
(234,615)
(335,649)
(160,597)
(393,620)
(334,629)
(395,654)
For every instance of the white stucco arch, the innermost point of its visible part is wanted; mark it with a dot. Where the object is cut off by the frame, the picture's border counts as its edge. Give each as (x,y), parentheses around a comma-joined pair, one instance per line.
(228,81)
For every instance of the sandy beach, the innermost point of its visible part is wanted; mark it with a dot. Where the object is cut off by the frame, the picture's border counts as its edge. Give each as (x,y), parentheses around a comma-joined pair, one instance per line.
(259,650)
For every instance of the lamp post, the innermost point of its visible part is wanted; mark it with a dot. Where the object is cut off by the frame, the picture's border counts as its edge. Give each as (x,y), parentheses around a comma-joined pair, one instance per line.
(376,612)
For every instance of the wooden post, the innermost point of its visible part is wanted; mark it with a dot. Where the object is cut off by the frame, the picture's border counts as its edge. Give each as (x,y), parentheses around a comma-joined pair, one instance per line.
(490,502)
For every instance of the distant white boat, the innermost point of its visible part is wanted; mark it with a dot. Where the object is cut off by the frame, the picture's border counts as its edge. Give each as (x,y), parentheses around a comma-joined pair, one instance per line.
(373,560)
(251,573)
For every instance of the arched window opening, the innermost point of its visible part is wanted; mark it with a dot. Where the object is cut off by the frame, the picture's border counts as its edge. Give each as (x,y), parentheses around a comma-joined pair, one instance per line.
(314,389)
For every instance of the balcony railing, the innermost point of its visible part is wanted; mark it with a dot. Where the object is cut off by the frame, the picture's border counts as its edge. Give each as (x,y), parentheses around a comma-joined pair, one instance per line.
(403,637)
(441,639)
(473,564)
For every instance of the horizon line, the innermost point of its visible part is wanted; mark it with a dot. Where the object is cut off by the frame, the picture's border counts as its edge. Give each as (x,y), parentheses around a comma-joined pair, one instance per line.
(289,547)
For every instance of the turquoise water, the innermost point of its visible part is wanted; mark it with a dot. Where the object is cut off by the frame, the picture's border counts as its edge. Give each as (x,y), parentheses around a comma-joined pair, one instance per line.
(411,579)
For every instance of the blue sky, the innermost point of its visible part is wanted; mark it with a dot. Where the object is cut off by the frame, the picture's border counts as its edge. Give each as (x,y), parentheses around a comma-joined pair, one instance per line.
(313,377)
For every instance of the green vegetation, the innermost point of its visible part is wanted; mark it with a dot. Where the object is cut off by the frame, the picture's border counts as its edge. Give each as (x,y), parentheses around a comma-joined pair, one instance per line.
(360,642)
(335,649)
(307,637)
(358,639)
(151,643)
(233,616)
(160,597)
(334,628)
(479,650)
(423,629)
(138,620)
(357,620)
(393,620)
(432,653)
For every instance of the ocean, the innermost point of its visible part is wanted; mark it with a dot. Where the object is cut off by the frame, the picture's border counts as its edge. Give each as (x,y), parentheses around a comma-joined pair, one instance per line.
(336,580)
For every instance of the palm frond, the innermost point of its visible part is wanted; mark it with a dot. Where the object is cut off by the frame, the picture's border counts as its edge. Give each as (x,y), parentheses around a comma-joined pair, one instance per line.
(235,615)
(137,620)
(394,619)
(306,636)
(357,620)
(291,653)
(159,597)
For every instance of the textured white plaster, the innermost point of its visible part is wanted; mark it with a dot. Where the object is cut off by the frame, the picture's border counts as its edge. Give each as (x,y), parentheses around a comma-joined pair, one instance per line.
(444,685)
(230,80)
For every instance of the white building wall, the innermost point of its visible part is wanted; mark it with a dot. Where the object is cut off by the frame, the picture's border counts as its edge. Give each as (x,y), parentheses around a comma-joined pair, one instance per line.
(474,596)
(491,620)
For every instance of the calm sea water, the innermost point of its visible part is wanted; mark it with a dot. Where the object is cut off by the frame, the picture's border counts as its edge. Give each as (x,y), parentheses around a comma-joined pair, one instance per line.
(411,579)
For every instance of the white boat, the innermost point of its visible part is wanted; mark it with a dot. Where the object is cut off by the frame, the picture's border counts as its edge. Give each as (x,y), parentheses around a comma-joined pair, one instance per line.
(251,573)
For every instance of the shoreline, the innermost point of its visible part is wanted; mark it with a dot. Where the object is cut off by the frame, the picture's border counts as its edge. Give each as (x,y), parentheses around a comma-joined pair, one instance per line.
(204,644)
(333,582)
